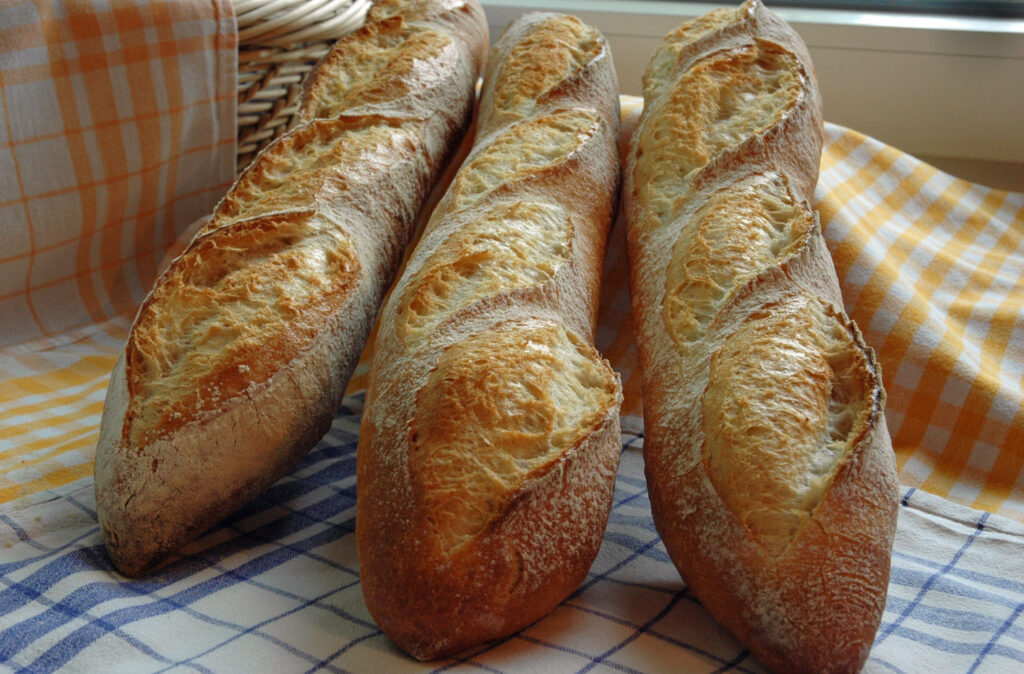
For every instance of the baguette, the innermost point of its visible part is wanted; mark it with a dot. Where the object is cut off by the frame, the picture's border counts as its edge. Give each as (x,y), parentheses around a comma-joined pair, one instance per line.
(769,466)
(239,357)
(490,439)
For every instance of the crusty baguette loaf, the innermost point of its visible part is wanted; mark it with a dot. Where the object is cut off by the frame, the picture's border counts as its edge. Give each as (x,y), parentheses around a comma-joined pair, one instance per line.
(770,469)
(238,358)
(490,440)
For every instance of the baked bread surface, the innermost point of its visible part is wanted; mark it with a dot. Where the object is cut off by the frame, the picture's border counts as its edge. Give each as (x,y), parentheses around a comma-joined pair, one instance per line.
(490,439)
(769,466)
(240,355)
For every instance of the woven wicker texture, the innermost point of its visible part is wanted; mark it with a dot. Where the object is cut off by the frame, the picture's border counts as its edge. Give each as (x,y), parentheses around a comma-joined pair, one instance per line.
(279,41)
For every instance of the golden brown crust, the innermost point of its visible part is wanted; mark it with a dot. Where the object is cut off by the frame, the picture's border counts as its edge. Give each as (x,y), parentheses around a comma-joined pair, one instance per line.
(769,466)
(220,324)
(239,357)
(489,443)
(380,70)
(463,19)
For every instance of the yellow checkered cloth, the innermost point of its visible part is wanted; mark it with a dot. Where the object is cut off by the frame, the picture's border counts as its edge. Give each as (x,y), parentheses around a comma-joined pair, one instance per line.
(932,268)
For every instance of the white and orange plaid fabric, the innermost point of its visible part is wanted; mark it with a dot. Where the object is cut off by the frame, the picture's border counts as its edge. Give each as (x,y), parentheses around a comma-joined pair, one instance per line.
(117,129)
(932,268)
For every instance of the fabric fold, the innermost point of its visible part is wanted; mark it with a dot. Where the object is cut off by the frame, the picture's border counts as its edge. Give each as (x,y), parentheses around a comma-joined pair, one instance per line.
(117,129)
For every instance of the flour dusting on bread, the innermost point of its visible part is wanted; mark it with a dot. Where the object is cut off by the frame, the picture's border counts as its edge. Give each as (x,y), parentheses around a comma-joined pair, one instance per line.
(769,467)
(489,442)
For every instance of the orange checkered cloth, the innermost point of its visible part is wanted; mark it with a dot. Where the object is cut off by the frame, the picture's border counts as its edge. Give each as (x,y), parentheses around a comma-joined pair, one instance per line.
(932,268)
(117,129)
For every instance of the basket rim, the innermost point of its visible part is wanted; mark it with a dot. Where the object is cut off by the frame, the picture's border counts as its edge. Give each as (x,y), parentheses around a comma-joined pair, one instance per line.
(282,23)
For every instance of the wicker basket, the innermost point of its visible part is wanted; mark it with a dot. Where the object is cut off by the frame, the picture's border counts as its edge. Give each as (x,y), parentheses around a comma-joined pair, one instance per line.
(279,41)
